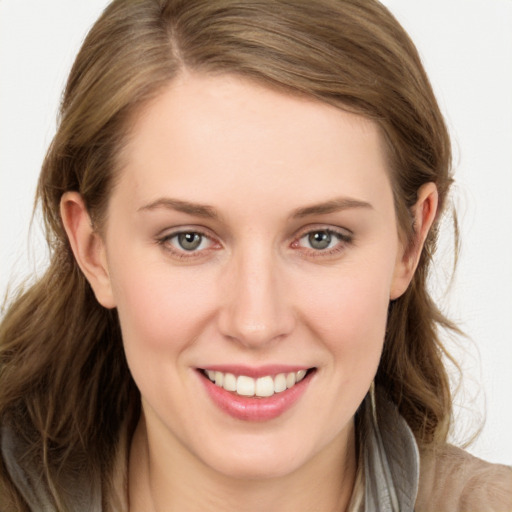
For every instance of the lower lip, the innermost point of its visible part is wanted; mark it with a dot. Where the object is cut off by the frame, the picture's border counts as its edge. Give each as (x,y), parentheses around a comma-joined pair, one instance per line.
(254,408)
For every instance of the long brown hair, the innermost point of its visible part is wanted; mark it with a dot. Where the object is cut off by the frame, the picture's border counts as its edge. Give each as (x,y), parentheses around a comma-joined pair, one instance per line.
(65,387)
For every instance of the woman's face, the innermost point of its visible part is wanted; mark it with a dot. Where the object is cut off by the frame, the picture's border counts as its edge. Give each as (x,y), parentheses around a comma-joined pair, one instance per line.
(251,239)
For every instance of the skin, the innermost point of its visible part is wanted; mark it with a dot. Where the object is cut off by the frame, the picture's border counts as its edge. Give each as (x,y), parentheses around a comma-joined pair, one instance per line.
(255,292)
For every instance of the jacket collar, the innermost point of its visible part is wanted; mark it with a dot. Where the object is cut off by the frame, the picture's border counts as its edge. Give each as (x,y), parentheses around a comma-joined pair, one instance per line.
(391,462)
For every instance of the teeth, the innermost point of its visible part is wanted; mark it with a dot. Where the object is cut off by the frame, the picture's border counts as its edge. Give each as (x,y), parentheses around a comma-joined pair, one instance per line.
(300,375)
(245,386)
(262,387)
(229,382)
(265,386)
(280,383)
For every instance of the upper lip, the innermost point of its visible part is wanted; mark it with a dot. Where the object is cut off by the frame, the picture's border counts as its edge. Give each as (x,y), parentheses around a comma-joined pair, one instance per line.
(255,371)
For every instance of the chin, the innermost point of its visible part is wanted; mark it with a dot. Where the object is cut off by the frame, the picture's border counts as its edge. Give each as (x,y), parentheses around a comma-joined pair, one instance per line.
(264,457)
(257,468)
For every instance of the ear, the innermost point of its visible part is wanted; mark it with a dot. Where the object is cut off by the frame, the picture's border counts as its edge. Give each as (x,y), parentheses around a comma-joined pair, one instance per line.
(87,245)
(424,213)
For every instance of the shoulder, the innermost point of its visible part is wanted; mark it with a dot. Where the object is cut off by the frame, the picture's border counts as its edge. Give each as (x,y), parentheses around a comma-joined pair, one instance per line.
(453,480)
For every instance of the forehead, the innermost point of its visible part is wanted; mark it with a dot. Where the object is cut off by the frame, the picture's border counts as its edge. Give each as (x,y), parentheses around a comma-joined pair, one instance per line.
(224,134)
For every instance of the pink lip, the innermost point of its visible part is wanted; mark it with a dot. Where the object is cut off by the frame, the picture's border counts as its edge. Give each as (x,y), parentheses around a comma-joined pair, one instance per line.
(253,408)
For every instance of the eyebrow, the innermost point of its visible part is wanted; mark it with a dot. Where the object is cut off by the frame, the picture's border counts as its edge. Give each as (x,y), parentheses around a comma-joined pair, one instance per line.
(198,210)
(332,206)
(209,212)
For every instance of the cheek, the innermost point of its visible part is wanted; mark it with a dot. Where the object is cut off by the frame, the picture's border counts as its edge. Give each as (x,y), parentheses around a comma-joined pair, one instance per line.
(349,314)
(159,309)
(355,302)
(161,314)
(357,330)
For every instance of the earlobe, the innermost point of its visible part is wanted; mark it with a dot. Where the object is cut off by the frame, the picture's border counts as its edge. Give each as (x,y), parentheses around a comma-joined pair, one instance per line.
(424,213)
(88,246)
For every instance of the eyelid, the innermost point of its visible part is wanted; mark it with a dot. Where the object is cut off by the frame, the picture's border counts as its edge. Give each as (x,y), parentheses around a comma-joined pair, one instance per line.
(346,237)
(312,228)
(164,237)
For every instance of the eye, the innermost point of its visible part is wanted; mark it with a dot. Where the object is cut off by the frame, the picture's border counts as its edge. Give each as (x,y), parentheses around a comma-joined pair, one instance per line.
(323,241)
(184,242)
(189,241)
(320,240)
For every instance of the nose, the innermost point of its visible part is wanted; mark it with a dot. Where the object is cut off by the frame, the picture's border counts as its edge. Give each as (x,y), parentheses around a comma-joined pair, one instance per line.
(256,308)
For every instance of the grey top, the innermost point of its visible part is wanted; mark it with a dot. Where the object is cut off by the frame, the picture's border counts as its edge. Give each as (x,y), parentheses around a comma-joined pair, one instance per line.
(391,459)
(387,480)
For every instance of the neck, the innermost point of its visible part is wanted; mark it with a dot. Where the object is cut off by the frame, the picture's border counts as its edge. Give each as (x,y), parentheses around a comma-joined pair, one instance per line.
(180,481)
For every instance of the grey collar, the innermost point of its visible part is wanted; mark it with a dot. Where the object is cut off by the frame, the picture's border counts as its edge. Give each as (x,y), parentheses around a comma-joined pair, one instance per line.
(390,457)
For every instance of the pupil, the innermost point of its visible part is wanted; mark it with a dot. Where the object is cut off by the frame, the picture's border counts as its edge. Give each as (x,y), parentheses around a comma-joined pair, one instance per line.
(189,241)
(320,240)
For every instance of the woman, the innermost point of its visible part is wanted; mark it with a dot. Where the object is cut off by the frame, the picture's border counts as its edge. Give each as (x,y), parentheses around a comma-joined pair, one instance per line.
(242,200)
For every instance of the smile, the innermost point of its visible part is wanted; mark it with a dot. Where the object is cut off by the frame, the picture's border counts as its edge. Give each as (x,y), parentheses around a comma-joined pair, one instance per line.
(263,395)
(262,387)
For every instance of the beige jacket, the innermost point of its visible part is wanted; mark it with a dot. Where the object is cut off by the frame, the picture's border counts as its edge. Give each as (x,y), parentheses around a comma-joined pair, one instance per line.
(396,477)
(453,480)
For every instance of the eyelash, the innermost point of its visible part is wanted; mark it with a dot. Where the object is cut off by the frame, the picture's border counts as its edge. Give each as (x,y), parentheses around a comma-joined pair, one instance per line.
(183,254)
(344,239)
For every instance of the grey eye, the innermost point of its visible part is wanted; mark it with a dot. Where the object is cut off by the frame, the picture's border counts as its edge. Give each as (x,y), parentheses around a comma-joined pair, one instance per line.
(189,241)
(320,240)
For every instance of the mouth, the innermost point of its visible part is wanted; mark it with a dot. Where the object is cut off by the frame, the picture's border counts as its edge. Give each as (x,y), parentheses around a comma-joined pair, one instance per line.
(265,394)
(256,387)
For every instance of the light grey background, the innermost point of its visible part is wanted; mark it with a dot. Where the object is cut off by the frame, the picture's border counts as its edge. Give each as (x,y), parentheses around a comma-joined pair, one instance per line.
(467,50)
